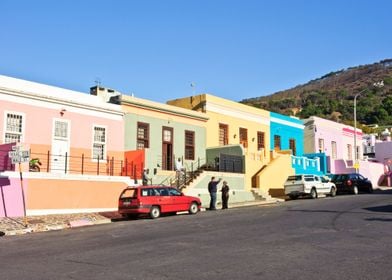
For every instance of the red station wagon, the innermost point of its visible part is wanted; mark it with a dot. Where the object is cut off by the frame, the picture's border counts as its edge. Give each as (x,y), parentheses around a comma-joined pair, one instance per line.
(154,200)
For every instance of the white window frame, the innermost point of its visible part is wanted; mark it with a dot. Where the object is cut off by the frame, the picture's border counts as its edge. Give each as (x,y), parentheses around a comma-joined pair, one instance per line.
(93,158)
(321,145)
(68,130)
(334,149)
(22,134)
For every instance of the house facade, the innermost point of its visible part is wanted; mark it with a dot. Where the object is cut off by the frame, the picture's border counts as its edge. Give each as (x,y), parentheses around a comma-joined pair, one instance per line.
(77,139)
(157,135)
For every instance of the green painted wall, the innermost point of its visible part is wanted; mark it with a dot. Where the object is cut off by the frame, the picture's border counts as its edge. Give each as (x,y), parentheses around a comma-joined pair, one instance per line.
(154,152)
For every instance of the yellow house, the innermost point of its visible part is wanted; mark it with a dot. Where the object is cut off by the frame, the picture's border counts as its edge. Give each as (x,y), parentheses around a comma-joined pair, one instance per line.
(233,127)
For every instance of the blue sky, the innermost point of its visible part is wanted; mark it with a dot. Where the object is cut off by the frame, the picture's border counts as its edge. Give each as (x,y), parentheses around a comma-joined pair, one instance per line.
(156,49)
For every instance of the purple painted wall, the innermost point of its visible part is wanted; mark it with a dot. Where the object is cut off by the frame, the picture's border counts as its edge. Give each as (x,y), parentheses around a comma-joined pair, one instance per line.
(5,161)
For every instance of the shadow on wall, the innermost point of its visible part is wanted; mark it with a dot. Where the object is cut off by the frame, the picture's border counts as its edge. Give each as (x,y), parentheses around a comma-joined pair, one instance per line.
(4,181)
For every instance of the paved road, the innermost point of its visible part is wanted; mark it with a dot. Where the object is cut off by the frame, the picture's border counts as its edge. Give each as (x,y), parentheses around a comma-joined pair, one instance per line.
(347,237)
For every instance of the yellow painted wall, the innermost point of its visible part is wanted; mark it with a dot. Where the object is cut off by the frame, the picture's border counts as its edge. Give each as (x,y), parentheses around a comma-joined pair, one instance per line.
(236,116)
(272,178)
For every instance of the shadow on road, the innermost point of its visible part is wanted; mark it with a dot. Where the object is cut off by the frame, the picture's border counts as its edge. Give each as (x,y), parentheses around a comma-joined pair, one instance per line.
(379,219)
(383,208)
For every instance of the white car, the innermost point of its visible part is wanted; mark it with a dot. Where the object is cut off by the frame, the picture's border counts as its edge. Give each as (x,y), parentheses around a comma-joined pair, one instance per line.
(313,185)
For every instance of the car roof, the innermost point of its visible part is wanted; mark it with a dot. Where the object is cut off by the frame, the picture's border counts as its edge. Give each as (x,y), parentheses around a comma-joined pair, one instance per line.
(148,187)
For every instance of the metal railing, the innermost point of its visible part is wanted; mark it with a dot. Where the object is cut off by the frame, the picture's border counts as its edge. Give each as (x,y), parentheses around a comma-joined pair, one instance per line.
(79,164)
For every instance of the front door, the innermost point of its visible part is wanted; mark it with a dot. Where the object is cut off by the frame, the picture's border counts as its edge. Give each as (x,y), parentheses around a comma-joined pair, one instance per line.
(60,146)
(167,148)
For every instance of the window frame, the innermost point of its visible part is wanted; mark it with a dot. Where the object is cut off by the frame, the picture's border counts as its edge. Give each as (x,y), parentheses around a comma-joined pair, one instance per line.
(225,128)
(277,140)
(243,136)
(260,140)
(20,134)
(189,147)
(104,143)
(146,139)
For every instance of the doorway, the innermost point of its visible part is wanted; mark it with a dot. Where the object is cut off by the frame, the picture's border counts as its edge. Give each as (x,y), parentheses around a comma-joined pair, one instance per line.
(167,148)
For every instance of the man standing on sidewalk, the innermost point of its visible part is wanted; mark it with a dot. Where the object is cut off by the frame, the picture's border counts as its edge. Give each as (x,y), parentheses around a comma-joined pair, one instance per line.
(212,189)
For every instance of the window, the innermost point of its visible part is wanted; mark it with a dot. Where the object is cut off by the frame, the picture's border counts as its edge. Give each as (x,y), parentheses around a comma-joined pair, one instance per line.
(99,146)
(277,142)
(189,145)
(244,137)
(292,146)
(260,140)
(60,130)
(321,145)
(143,141)
(223,134)
(13,128)
(349,151)
(334,149)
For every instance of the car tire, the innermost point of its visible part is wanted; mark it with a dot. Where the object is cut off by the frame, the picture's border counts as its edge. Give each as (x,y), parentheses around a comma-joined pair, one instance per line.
(193,208)
(313,193)
(155,212)
(355,190)
(333,192)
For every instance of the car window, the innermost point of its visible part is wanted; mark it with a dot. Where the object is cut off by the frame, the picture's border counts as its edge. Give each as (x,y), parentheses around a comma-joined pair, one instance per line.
(360,177)
(308,179)
(174,192)
(163,191)
(149,192)
(129,193)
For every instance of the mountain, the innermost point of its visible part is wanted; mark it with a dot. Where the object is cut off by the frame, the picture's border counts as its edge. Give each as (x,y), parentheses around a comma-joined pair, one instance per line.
(332,96)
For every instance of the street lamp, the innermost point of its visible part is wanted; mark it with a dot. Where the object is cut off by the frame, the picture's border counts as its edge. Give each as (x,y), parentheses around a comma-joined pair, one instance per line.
(356,163)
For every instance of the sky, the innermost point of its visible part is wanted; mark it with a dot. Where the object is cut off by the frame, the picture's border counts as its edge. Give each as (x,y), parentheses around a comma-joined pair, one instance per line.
(166,49)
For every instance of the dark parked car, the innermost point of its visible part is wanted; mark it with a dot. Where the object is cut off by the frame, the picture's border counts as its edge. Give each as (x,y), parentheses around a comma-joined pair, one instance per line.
(352,183)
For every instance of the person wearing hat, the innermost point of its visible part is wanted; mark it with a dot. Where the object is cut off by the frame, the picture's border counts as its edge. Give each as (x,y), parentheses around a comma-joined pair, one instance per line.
(225,195)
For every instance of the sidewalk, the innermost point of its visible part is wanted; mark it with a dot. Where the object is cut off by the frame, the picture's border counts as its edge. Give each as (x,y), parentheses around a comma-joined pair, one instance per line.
(16,226)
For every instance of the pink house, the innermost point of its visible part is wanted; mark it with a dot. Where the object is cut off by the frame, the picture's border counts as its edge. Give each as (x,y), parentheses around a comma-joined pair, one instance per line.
(336,140)
(77,138)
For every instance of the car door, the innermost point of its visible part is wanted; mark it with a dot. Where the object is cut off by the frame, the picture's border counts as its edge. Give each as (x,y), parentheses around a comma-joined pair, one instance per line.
(164,200)
(179,201)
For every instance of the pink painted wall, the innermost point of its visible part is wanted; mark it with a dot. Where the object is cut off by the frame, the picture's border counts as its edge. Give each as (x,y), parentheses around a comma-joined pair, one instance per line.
(39,125)
(331,131)
(11,201)
(383,151)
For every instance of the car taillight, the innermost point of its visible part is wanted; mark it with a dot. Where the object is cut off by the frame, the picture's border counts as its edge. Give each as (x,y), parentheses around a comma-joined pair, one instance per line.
(349,183)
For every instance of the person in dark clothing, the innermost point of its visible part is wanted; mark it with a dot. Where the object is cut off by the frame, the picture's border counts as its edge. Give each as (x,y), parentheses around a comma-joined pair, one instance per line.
(212,189)
(225,195)
(145,178)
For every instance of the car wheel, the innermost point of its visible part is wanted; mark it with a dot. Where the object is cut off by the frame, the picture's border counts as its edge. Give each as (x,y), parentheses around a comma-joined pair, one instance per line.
(333,192)
(193,209)
(155,212)
(355,190)
(313,193)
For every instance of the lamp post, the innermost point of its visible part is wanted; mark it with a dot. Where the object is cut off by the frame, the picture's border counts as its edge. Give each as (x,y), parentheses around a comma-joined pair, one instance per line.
(356,163)
(355,132)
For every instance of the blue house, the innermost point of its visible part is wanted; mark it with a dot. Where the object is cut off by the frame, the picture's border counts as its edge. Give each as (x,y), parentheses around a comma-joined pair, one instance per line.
(287,133)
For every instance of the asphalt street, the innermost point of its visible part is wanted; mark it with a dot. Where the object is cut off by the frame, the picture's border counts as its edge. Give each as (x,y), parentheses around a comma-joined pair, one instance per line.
(346,237)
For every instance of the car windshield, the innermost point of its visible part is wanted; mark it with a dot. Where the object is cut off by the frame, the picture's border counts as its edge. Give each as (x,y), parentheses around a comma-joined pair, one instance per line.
(294,178)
